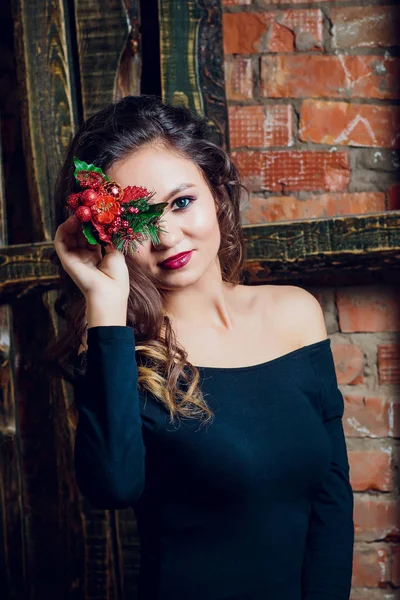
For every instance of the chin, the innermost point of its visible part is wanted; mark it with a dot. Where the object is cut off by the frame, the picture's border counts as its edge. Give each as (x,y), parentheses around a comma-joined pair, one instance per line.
(173,280)
(179,278)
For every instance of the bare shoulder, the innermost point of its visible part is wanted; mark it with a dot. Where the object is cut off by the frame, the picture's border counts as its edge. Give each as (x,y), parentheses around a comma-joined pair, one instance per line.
(296,310)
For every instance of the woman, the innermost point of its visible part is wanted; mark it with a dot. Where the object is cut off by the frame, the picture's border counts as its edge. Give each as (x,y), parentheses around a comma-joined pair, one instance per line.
(224,429)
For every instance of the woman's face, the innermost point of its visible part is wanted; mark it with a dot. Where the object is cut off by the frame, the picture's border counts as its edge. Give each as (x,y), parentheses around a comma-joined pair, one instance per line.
(190,220)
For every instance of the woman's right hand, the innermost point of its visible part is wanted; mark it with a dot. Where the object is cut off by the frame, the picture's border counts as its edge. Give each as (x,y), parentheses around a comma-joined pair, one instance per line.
(103,277)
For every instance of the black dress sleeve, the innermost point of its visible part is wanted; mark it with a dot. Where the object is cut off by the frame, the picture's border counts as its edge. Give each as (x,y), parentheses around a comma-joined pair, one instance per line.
(327,570)
(109,453)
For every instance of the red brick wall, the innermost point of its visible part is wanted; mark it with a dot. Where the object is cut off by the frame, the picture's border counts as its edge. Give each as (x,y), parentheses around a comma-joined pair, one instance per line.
(363,323)
(314,116)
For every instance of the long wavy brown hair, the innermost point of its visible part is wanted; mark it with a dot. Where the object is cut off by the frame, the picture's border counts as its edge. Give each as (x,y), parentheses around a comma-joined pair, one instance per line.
(118,130)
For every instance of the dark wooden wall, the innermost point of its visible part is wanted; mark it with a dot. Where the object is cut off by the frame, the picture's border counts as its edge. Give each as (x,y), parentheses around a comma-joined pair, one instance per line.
(60,63)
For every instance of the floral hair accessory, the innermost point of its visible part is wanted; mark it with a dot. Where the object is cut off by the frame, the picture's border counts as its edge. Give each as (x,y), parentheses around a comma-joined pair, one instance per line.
(113,216)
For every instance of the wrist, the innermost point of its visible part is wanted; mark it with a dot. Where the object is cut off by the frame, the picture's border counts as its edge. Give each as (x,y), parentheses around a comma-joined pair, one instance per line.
(105,313)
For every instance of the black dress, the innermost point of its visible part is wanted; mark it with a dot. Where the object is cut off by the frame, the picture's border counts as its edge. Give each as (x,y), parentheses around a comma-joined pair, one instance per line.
(255,506)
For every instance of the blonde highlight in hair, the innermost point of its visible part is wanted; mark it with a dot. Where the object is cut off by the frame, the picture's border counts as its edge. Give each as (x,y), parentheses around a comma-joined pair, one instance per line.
(112,134)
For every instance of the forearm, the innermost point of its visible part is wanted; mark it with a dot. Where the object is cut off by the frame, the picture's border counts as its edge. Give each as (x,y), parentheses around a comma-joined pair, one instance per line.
(327,569)
(109,449)
(105,312)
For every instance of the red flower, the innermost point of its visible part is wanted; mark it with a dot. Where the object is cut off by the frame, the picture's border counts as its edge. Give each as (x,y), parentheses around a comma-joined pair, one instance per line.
(103,235)
(133,192)
(105,209)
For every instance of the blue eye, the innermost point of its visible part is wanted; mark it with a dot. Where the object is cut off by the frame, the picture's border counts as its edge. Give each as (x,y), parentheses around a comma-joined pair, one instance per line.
(189,198)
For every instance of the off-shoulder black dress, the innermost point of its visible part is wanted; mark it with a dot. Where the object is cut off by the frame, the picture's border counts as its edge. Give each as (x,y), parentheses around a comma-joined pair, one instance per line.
(255,506)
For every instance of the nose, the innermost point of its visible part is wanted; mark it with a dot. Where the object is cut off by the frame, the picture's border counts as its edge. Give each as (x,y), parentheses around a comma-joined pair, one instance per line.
(170,236)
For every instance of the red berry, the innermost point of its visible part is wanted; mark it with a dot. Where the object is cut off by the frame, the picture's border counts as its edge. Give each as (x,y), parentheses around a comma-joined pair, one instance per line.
(125,223)
(73,201)
(83,213)
(89,197)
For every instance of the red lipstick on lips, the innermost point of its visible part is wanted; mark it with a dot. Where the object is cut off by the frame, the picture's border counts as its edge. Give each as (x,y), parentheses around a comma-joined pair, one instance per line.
(177,261)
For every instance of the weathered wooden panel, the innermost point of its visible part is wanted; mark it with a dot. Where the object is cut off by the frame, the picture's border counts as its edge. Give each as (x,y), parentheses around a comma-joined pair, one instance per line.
(48,108)
(53,529)
(274,251)
(53,524)
(192,59)
(108,50)
(26,267)
(127,538)
(108,46)
(12,554)
(292,249)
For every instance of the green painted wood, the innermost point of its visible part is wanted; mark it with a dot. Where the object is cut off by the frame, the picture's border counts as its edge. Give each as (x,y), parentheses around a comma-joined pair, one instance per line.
(192,60)
(313,248)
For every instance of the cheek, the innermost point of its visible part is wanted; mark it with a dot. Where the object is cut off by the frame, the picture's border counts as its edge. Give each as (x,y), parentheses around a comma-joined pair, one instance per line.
(204,224)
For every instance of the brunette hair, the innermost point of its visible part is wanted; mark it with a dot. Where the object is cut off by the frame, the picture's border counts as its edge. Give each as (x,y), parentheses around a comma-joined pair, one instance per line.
(113,133)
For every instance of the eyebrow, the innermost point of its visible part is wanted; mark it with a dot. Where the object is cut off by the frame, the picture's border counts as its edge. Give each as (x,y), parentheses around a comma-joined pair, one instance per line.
(176,190)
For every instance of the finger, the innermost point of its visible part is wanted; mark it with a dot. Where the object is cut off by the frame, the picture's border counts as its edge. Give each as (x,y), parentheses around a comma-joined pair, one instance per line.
(111,249)
(112,260)
(70,237)
(71,225)
(82,242)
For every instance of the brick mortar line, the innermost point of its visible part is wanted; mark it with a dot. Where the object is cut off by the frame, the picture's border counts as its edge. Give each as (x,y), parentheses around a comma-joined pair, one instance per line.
(300,146)
(362,444)
(254,8)
(362,389)
(327,26)
(367,545)
(379,593)
(375,444)
(391,51)
(368,496)
(297,102)
(303,196)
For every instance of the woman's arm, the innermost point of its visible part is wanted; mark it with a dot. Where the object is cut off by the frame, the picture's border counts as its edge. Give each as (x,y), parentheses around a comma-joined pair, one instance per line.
(328,558)
(327,567)
(109,451)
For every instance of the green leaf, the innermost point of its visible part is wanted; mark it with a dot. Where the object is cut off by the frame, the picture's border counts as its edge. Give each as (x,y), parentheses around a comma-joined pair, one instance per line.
(80,165)
(156,209)
(89,233)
